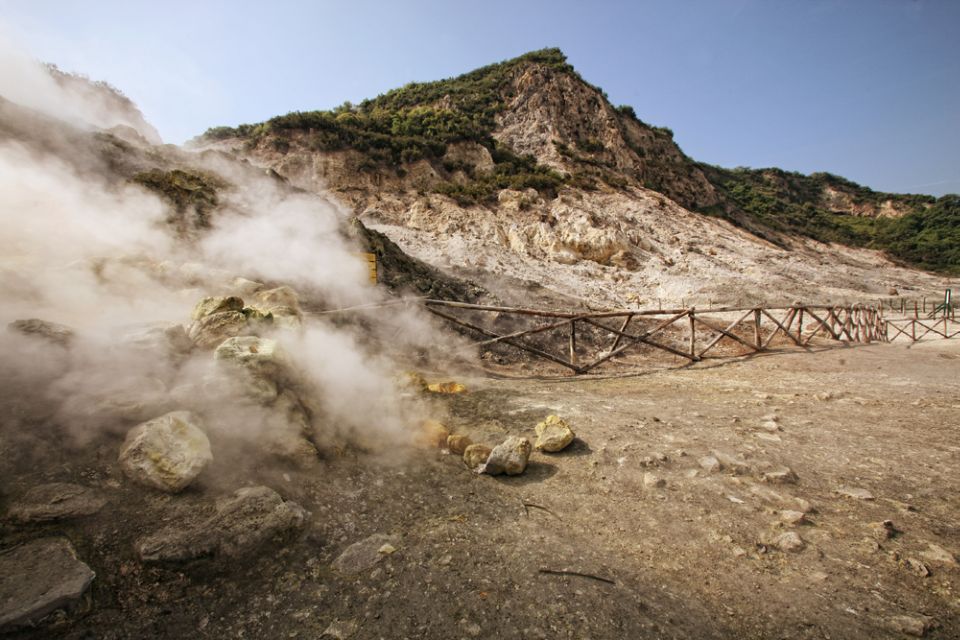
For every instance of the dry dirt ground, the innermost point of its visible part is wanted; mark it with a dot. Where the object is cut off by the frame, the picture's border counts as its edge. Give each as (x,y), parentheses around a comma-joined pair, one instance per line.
(694,558)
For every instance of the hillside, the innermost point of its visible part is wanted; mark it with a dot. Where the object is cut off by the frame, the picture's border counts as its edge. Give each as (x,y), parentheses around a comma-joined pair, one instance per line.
(527,157)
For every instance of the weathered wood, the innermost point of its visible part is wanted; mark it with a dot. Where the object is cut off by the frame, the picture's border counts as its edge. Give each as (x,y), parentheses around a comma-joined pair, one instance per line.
(756,329)
(573,342)
(510,341)
(727,333)
(526,332)
(788,321)
(822,324)
(619,337)
(693,333)
(643,338)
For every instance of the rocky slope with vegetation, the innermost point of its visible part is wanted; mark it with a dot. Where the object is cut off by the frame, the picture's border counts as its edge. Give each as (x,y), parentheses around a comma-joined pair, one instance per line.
(522,167)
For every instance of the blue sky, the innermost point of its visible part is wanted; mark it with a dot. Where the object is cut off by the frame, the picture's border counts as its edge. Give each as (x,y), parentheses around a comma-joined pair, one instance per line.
(866,89)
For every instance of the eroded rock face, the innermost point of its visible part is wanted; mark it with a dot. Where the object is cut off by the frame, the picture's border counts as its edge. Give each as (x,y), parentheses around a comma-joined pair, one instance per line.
(166,453)
(240,523)
(37,578)
(553,434)
(509,457)
(213,329)
(259,364)
(56,501)
(219,304)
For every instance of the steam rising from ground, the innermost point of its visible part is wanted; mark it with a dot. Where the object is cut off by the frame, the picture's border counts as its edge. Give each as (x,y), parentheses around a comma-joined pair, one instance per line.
(67,97)
(80,250)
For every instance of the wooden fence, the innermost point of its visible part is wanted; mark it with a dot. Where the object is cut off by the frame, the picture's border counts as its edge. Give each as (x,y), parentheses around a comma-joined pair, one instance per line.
(688,333)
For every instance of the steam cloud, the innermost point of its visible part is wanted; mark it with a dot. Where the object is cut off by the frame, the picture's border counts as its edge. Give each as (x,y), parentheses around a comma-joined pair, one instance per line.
(81,250)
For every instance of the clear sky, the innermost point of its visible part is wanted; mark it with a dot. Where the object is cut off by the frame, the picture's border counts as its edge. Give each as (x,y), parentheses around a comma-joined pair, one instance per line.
(866,89)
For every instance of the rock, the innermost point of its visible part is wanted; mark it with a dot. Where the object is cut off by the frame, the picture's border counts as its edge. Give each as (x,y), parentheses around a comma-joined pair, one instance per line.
(340,629)
(211,330)
(653,481)
(769,426)
(710,464)
(446,387)
(283,299)
(411,380)
(433,434)
(39,577)
(509,457)
(769,437)
(793,518)
(882,531)
(553,434)
(56,501)
(167,339)
(166,453)
(246,287)
(917,567)
(854,492)
(458,444)
(938,555)
(58,334)
(781,475)
(734,465)
(364,554)
(789,541)
(259,364)
(211,305)
(240,524)
(475,455)
(916,626)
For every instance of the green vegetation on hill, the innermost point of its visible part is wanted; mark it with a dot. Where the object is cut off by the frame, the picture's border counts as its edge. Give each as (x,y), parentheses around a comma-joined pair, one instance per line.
(421,120)
(418,121)
(928,236)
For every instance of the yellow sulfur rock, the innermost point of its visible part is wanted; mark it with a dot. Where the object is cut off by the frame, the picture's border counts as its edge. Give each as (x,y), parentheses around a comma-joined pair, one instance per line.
(553,434)
(446,387)
(458,443)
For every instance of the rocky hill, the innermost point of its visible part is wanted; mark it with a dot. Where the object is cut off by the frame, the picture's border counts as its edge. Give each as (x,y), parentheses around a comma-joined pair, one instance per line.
(524,170)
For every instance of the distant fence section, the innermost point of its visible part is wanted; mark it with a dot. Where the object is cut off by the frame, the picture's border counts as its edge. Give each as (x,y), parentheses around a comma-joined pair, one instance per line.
(688,333)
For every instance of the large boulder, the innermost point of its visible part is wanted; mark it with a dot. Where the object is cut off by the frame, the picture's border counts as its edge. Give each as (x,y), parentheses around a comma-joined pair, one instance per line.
(283,304)
(56,501)
(37,578)
(166,453)
(213,329)
(169,340)
(240,524)
(211,305)
(509,457)
(259,364)
(553,434)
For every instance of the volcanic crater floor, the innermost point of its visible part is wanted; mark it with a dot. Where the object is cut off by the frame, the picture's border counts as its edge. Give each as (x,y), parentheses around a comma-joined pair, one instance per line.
(631,532)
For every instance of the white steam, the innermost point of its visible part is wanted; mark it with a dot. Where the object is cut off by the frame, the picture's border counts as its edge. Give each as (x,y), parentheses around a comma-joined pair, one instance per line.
(69,98)
(77,249)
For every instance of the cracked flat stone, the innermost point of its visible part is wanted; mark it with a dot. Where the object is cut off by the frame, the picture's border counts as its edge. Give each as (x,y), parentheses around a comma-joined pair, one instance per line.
(39,577)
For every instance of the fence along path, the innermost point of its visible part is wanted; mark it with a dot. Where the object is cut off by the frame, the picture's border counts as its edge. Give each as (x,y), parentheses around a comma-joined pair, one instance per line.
(754,329)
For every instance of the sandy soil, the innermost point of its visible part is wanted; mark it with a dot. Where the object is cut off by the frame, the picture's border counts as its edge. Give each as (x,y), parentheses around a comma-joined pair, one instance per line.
(694,558)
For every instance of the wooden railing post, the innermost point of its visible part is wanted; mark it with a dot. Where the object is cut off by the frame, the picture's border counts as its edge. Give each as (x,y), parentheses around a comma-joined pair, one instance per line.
(573,342)
(756,328)
(693,332)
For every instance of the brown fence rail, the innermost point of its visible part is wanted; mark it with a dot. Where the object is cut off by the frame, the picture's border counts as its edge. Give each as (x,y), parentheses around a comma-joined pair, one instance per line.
(701,331)
(589,340)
